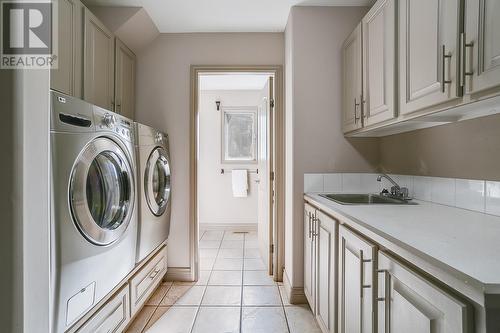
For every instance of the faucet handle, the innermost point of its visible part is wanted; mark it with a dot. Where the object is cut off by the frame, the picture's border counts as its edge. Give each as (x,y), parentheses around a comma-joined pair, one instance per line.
(395,190)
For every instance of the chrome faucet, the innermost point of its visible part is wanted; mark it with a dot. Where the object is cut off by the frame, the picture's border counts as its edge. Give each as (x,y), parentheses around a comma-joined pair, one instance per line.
(396,190)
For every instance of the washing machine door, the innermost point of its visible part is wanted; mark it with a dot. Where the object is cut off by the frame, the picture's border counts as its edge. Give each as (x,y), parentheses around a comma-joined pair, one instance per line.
(157,181)
(101,192)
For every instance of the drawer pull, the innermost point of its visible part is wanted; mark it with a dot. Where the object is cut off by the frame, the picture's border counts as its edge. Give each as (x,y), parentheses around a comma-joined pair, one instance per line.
(155,273)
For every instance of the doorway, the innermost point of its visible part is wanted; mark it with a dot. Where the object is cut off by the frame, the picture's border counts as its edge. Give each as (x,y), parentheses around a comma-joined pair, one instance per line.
(237,166)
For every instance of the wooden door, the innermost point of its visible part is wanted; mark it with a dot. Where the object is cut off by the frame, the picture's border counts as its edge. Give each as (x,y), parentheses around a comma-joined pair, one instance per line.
(407,302)
(68,75)
(379,63)
(309,256)
(352,81)
(356,283)
(98,60)
(481,45)
(265,201)
(326,262)
(428,53)
(124,80)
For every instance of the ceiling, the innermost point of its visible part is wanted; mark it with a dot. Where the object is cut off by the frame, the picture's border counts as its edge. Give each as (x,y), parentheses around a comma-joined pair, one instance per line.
(176,16)
(233,81)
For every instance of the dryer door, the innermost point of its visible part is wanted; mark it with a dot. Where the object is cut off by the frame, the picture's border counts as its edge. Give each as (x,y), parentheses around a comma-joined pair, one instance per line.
(157,181)
(102,191)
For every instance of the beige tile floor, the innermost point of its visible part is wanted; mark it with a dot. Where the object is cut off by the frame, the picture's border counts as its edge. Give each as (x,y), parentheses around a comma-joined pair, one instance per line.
(234,293)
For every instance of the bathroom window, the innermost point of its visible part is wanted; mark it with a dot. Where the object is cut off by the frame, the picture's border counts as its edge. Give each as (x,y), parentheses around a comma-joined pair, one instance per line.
(239,135)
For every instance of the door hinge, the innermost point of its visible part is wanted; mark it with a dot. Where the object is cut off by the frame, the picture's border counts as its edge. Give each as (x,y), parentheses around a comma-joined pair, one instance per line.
(272,176)
(271,102)
(271,248)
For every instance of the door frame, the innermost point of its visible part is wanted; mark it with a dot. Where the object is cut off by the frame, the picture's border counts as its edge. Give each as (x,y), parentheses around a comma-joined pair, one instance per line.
(279,177)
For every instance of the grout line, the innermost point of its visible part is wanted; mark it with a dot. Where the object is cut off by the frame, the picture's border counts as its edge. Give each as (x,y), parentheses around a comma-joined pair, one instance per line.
(149,318)
(156,306)
(242,281)
(206,286)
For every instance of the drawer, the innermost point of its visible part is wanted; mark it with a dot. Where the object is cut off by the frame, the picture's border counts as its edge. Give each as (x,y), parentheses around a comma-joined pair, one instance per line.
(112,317)
(143,283)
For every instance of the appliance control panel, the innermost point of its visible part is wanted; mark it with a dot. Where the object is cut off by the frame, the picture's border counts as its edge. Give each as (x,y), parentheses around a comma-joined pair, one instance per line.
(112,122)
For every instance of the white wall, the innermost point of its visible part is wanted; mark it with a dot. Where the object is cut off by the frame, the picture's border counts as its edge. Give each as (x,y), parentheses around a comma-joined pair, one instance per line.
(314,139)
(216,204)
(163,74)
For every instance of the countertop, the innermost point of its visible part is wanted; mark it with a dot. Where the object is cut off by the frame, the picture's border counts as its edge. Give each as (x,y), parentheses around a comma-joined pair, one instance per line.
(461,246)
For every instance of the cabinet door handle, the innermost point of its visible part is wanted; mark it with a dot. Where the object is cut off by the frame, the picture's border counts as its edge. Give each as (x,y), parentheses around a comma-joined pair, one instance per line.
(362,262)
(356,104)
(315,226)
(443,69)
(382,271)
(463,58)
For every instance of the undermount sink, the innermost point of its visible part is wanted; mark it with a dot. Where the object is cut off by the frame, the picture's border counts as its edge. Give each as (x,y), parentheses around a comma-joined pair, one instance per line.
(365,199)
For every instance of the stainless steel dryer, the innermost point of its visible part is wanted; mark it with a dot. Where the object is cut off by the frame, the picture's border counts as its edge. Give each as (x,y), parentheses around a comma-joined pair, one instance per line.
(154,189)
(93,213)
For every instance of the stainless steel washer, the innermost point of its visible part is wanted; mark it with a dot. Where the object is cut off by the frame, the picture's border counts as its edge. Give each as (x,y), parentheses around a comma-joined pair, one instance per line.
(154,189)
(93,213)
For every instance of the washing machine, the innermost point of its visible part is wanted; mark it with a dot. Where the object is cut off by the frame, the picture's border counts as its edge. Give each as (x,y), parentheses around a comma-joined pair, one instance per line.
(155,191)
(93,213)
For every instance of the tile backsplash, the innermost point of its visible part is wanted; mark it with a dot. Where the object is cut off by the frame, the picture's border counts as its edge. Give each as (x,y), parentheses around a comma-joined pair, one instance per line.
(477,195)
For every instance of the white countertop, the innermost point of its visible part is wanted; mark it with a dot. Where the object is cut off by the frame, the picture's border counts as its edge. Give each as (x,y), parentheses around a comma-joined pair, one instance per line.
(463,241)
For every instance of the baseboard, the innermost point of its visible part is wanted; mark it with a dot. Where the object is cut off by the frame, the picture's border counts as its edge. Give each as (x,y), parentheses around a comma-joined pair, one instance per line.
(229,226)
(179,274)
(295,294)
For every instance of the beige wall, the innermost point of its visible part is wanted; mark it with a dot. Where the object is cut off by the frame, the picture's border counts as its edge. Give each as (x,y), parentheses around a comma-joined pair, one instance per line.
(24,201)
(468,149)
(163,70)
(216,204)
(315,143)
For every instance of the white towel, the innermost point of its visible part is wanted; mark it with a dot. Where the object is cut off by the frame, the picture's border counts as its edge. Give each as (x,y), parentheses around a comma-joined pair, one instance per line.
(240,183)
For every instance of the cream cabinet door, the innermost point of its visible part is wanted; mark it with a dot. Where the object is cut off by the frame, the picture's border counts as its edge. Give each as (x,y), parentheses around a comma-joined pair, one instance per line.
(481,45)
(98,60)
(67,78)
(309,256)
(379,63)
(326,262)
(356,283)
(124,80)
(352,81)
(428,53)
(407,302)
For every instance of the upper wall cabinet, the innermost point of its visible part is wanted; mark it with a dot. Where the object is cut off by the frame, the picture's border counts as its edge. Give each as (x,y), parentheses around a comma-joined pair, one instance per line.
(98,69)
(352,81)
(124,80)
(428,46)
(379,31)
(67,78)
(480,45)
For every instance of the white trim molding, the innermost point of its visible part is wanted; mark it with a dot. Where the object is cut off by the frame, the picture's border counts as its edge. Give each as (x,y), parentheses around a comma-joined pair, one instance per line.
(184,274)
(295,294)
(243,227)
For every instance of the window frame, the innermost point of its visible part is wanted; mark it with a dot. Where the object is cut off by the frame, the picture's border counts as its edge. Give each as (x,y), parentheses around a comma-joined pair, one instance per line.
(240,110)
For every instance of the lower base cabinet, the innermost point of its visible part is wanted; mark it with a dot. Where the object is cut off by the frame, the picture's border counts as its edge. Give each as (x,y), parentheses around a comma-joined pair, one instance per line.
(326,262)
(352,286)
(112,317)
(356,283)
(320,266)
(145,281)
(410,303)
(117,312)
